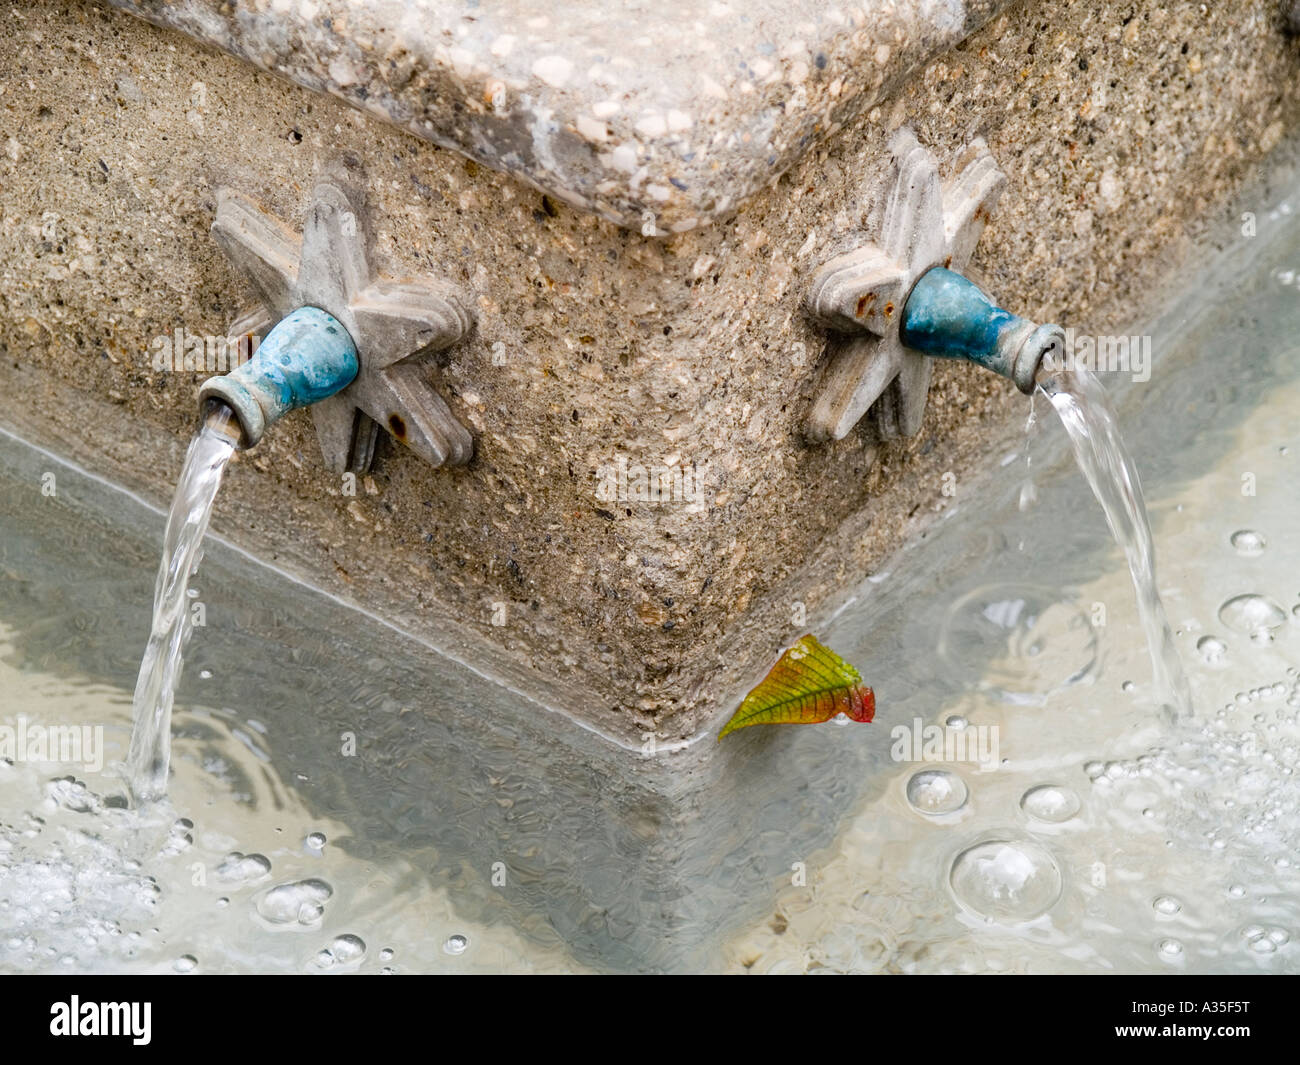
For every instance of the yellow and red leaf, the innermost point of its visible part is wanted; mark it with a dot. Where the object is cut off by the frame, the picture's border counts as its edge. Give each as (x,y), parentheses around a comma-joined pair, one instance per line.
(810,683)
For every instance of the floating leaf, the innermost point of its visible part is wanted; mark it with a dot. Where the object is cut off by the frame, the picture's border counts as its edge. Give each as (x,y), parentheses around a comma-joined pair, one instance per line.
(808,684)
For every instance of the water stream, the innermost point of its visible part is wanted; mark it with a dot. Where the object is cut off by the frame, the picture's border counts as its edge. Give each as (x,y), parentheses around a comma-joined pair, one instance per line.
(1105,463)
(160,669)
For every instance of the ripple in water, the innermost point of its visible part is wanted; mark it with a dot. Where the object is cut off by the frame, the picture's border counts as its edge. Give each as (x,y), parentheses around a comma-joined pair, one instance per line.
(1009,881)
(1051,803)
(1003,637)
(936,792)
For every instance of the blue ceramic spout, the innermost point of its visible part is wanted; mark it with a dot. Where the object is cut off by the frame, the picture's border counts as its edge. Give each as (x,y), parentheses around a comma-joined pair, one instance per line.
(307,357)
(949,317)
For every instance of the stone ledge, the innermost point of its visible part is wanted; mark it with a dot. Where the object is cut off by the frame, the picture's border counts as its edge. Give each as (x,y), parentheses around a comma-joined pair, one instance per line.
(663,115)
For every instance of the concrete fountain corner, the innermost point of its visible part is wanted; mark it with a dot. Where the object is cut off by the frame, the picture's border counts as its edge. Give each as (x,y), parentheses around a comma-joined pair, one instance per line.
(636,248)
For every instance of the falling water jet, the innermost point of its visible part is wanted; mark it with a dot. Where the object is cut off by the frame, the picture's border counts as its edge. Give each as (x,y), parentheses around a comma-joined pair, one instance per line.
(949,317)
(1089,420)
(205,462)
(308,357)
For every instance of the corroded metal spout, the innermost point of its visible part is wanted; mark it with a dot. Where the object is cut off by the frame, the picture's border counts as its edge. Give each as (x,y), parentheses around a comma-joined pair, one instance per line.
(306,358)
(950,317)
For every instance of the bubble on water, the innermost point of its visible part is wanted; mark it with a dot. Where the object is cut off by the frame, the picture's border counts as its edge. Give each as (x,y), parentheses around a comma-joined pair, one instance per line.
(1212,650)
(316,840)
(455,944)
(1248,543)
(387,970)
(956,722)
(1094,769)
(1166,905)
(179,838)
(71,794)
(936,792)
(223,902)
(238,868)
(1237,891)
(324,958)
(205,674)
(1280,936)
(1006,880)
(1263,945)
(1169,948)
(1052,803)
(386,954)
(348,948)
(301,902)
(1255,615)
(186,963)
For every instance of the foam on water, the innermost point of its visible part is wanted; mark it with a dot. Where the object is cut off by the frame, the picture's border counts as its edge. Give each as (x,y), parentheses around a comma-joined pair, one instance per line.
(88,884)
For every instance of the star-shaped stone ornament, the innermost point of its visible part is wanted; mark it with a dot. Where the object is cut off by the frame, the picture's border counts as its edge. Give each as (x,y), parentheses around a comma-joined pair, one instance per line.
(860,294)
(392,322)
